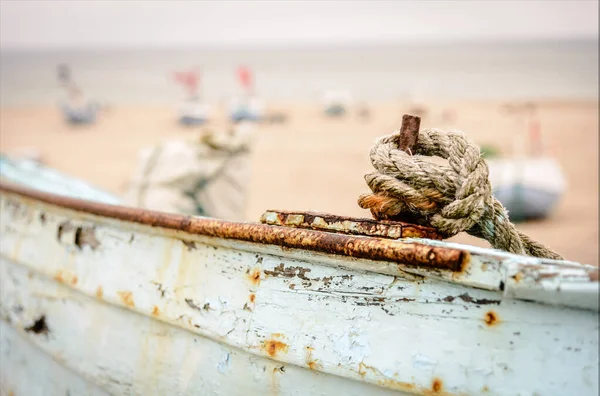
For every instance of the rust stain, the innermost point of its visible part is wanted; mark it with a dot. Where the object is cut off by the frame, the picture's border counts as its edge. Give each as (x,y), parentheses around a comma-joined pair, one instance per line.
(485,389)
(127,298)
(155,311)
(369,247)
(390,383)
(491,318)
(254,276)
(252,297)
(99,292)
(65,277)
(11,393)
(59,277)
(348,225)
(518,276)
(312,363)
(396,385)
(30,275)
(361,369)
(273,347)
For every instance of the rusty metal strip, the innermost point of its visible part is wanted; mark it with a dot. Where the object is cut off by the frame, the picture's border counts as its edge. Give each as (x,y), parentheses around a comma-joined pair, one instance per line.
(348,225)
(411,254)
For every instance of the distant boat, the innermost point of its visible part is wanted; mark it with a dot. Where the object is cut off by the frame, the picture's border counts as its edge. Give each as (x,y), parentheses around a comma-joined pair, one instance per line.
(530,183)
(75,108)
(336,103)
(247,107)
(192,111)
(529,188)
(79,112)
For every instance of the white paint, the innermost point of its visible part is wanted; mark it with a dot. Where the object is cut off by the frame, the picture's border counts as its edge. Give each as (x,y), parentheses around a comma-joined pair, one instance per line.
(359,324)
(422,361)
(351,348)
(225,363)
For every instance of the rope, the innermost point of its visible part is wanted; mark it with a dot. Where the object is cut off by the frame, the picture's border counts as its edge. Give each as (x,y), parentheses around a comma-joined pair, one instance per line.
(450,198)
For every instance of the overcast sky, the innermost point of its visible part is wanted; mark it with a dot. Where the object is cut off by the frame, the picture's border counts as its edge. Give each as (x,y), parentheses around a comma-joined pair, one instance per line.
(155,23)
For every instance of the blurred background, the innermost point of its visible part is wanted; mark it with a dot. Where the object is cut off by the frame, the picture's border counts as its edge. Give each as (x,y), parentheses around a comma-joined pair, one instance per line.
(85,86)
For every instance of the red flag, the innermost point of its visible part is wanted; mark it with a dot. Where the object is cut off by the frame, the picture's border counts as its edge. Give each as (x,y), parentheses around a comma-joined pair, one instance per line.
(189,79)
(245,76)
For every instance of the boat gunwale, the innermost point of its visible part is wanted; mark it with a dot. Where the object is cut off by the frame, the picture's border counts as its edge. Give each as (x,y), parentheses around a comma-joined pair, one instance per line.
(358,246)
(516,277)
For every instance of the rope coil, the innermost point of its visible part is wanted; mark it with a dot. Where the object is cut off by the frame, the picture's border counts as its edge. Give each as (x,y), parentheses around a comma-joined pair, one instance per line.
(450,198)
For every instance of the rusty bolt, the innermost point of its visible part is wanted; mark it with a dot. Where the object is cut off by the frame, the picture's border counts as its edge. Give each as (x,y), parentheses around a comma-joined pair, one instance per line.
(409,133)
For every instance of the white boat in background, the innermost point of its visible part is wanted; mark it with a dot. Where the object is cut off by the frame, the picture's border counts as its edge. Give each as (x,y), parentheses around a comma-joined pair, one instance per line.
(194,112)
(530,183)
(76,108)
(100,299)
(336,103)
(529,187)
(246,108)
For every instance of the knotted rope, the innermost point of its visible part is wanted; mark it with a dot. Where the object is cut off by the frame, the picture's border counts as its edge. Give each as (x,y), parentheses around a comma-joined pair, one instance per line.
(451,199)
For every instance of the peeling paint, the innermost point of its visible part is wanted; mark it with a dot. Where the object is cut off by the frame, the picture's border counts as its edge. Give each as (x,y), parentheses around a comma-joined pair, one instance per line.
(86,236)
(225,364)
(288,272)
(39,326)
(351,347)
(422,361)
(190,245)
(467,298)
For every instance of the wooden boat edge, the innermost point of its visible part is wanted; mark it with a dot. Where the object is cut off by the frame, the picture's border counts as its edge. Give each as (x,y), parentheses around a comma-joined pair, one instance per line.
(544,281)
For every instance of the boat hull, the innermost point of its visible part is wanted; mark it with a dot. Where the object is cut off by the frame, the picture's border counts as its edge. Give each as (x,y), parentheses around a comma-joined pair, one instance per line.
(133,307)
(523,202)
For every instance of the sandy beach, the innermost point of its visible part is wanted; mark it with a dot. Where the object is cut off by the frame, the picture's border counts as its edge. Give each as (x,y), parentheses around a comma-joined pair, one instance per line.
(314,163)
